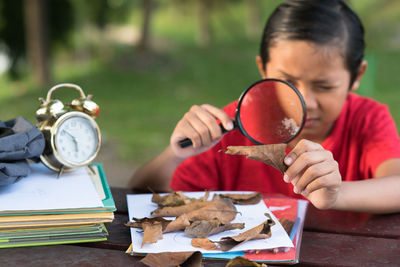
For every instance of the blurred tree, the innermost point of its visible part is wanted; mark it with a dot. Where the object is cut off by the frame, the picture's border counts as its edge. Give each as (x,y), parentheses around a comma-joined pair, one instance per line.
(204,30)
(144,42)
(11,33)
(12,29)
(37,40)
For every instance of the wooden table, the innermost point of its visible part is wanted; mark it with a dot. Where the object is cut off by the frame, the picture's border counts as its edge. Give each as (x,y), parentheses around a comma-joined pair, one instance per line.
(330,238)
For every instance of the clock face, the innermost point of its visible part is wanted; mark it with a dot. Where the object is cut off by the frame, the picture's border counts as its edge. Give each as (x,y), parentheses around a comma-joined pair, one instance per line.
(76,140)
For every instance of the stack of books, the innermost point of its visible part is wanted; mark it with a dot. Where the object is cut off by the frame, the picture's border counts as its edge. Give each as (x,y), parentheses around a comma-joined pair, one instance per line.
(42,209)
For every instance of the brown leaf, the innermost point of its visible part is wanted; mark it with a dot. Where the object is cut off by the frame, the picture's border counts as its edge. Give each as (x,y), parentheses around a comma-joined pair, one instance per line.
(179,210)
(244,199)
(173,259)
(152,232)
(286,224)
(203,243)
(138,222)
(241,261)
(174,199)
(203,228)
(221,208)
(269,154)
(259,232)
(180,223)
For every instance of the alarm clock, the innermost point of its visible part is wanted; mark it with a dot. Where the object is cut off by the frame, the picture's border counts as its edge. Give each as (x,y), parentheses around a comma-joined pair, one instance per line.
(72,136)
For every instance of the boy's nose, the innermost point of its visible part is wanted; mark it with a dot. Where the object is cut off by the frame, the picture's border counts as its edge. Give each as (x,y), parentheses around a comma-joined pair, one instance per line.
(309,97)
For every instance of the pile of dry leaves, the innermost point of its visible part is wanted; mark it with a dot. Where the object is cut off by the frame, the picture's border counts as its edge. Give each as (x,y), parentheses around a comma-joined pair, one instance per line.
(200,218)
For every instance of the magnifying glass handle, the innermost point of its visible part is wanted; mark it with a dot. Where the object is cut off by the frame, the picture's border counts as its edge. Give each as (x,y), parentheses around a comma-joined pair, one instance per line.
(187,142)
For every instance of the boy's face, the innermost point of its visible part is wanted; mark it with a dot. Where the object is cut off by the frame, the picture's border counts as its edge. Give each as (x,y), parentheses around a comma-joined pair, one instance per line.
(319,73)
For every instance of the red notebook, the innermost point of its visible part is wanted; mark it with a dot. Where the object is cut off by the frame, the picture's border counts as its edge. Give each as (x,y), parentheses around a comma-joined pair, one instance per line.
(290,209)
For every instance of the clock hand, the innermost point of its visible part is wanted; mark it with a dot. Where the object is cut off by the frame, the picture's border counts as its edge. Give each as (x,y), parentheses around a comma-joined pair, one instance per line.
(76,144)
(73,139)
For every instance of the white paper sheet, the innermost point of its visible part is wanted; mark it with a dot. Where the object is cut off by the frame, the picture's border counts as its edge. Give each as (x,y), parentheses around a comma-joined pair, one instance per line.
(42,190)
(140,206)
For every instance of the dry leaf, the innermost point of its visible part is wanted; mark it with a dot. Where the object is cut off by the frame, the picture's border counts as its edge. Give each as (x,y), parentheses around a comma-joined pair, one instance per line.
(286,224)
(138,222)
(259,232)
(179,210)
(269,154)
(241,261)
(175,199)
(221,208)
(180,223)
(203,228)
(203,243)
(173,259)
(152,232)
(244,199)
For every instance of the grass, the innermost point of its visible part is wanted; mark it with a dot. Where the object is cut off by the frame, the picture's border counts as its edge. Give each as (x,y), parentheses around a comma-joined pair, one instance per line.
(143,95)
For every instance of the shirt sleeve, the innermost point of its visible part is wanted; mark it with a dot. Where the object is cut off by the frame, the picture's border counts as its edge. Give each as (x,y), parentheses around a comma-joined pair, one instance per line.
(197,173)
(381,140)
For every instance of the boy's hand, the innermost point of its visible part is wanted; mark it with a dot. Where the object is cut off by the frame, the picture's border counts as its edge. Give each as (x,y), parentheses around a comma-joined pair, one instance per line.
(314,173)
(200,125)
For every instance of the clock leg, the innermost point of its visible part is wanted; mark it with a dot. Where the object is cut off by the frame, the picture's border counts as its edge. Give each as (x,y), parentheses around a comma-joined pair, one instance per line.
(61,171)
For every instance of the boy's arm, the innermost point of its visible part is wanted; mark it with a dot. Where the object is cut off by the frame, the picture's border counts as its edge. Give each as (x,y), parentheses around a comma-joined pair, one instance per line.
(200,125)
(378,195)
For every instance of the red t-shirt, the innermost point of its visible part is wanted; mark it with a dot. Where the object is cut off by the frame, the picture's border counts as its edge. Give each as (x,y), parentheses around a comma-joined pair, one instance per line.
(363,137)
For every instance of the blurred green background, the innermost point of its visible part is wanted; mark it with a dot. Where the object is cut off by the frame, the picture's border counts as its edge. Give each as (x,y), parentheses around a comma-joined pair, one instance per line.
(146,62)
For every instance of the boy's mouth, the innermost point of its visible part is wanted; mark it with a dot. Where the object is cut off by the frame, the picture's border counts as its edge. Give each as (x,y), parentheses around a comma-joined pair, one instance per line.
(310,122)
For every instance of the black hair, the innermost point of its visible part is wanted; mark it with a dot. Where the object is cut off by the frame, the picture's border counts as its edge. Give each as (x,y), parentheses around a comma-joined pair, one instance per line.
(320,21)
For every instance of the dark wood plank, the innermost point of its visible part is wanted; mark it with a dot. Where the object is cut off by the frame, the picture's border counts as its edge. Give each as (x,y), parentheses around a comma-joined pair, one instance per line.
(317,249)
(119,195)
(324,249)
(65,255)
(353,223)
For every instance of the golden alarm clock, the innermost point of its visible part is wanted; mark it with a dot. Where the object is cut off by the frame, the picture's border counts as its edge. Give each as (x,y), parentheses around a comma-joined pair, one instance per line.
(73,138)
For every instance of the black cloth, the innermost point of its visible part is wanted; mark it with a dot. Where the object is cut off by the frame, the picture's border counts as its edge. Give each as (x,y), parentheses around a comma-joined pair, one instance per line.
(19,141)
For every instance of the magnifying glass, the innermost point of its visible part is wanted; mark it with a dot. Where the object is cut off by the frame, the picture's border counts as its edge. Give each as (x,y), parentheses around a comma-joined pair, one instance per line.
(270,111)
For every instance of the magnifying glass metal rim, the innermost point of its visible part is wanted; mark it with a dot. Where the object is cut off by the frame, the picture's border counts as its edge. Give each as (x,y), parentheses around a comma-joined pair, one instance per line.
(237,113)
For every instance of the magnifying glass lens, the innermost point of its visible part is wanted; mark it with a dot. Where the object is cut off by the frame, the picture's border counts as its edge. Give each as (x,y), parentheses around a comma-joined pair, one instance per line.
(270,112)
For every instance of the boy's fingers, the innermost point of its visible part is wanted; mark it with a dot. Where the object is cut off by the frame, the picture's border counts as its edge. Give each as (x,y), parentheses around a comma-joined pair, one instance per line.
(220,115)
(187,131)
(302,147)
(302,163)
(210,121)
(313,173)
(317,184)
(202,130)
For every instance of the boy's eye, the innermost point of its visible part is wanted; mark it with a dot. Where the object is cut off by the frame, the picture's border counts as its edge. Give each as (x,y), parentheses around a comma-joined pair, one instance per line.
(291,82)
(325,88)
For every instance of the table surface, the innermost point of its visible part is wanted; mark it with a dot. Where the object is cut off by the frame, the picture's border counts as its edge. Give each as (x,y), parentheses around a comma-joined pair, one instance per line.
(330,238)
